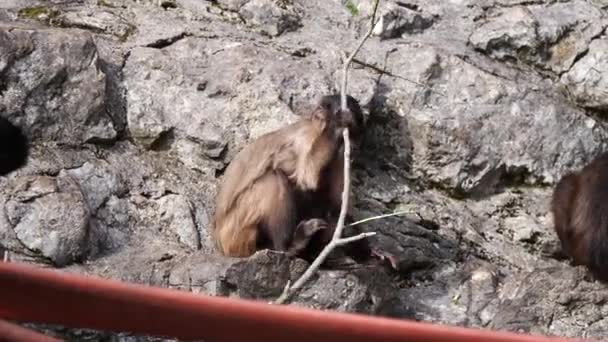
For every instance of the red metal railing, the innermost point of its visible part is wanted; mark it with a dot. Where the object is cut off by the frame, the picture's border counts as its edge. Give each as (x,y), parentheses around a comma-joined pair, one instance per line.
(29,294)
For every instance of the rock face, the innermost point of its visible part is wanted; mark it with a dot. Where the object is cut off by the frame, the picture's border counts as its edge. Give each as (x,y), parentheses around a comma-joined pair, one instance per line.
(52,85)
(474,110)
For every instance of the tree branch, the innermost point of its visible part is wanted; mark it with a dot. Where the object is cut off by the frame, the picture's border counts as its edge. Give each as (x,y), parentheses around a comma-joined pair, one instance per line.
(373,218)
(352,55)
(336,240)
(344,241)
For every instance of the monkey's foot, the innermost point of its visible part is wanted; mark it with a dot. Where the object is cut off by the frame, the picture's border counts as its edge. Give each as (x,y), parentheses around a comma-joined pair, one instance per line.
(385,256)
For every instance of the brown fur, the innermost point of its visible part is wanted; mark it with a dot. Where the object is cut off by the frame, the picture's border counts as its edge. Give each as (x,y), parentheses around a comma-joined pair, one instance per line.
(279,190)
(580,212)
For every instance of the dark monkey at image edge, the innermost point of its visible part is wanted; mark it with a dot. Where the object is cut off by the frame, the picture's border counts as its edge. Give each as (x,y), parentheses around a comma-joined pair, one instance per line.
(14,147)
(580,213)
(283,191)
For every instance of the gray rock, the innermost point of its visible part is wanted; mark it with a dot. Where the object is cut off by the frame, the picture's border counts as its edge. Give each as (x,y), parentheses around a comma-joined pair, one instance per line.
(397,20)
(202,274)
(50,217)
(268,17)
(97,21)
(548,36)
(587,80)
(52,84)
(111,227)
(461,141)
(262,276)
(232,5)
(459,296)
(523,228)
(158,28)
(177,213)
(98,182)
(554,300)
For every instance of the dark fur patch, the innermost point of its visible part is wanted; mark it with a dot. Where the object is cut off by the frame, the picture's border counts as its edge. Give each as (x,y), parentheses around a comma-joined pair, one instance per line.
(14,147)
(584,196)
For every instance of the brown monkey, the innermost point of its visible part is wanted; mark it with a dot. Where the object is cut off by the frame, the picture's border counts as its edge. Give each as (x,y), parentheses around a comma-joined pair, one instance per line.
(280,190)
(580,212)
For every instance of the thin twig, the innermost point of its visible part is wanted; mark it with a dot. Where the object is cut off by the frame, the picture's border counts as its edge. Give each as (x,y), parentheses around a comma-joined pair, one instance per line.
(373,218)
(344,241)
(391,74)
(352,55)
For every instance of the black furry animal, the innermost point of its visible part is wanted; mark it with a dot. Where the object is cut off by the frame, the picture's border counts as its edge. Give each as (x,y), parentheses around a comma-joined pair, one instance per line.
(14,147)
(580,212)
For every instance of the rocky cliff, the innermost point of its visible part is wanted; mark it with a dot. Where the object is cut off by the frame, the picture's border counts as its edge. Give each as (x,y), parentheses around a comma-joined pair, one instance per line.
(474,110)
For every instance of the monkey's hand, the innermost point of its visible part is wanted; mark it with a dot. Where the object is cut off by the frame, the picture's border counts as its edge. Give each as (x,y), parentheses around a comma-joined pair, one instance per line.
(304,232)
(309,227)
(385,256)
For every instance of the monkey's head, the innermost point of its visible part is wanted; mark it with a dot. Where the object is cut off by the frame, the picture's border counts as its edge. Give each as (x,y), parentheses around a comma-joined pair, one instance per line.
(14,147)
(333,119)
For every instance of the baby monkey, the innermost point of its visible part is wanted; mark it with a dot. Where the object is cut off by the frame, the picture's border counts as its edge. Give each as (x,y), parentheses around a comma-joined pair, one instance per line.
(580,212)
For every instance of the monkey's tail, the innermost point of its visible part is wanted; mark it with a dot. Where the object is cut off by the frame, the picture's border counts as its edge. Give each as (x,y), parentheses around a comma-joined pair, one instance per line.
(233,237)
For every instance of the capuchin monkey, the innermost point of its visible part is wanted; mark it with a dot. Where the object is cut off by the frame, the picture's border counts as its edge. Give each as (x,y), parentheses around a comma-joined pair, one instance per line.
(283,191)
(580,212)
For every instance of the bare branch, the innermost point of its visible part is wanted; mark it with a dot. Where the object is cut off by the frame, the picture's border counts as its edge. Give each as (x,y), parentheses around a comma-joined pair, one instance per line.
(373,218)
(346,189)
(372,24)
(344,241)
(391,74)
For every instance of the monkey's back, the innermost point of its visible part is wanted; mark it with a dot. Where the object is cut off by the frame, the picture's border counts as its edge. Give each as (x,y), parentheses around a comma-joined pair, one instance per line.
(271,152)
(580,208)
(252,162)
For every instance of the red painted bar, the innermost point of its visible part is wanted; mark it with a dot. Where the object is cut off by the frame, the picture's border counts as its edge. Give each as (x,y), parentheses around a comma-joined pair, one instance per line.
(30,294)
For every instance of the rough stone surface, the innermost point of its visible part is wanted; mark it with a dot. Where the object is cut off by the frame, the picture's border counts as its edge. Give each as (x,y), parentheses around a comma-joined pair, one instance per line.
(587,78)
(399,19)
(548,36)
(49,217)
(474,110)
(177,212)
(52,84)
